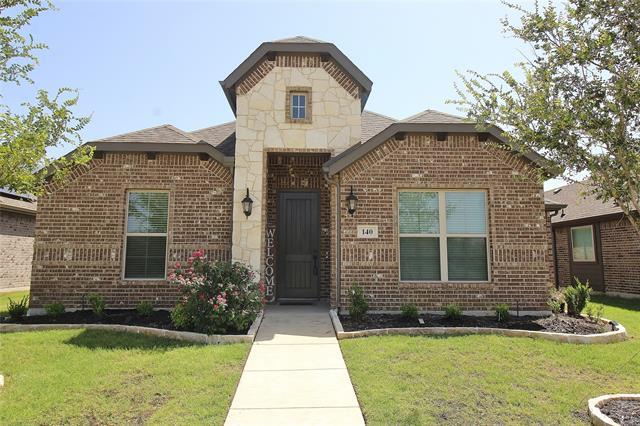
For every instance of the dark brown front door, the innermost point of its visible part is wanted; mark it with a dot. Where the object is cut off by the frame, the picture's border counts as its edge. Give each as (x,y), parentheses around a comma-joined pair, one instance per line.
(298,245)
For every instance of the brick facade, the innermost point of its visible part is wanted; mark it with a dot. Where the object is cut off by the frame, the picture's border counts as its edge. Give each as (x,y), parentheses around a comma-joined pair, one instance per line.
(16,249)
(562,256)
(518,234)
(620,251)
(300,172)
(81,225)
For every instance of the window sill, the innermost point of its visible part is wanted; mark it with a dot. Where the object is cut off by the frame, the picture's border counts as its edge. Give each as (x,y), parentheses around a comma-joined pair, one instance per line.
(460,284)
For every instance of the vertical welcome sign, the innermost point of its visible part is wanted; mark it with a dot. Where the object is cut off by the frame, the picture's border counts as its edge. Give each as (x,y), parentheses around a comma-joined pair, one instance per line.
(269,270)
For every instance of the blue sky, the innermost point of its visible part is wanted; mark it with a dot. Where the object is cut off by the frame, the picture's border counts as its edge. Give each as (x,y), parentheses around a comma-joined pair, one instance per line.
(141,64)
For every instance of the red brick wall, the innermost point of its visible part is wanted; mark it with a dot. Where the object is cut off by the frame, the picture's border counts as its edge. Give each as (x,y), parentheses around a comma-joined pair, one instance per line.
(16,249)
(80,229)
(300,172)
(620,257)
(518,234)
(562,255)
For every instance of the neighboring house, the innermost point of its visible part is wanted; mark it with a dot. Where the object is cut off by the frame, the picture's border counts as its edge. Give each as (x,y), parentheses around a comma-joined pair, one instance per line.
(17,226)
(444,214)
(594,241)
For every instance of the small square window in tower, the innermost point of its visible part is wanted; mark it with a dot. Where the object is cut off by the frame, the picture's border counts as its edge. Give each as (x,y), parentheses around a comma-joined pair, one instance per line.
(298,108)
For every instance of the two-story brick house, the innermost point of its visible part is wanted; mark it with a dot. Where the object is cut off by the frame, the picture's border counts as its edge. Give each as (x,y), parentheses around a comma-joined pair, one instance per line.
(425,210)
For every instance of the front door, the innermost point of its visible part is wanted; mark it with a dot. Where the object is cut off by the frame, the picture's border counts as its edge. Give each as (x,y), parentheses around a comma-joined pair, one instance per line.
(298,245)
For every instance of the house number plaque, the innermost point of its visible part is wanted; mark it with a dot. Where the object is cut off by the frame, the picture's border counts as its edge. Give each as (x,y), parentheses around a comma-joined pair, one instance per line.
(367,231)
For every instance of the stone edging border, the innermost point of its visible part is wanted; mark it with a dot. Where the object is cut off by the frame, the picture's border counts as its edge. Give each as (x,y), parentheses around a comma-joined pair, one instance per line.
(619,335)
(209,339)
(599,419)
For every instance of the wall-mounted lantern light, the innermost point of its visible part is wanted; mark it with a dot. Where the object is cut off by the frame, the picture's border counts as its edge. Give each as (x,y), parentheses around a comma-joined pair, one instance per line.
(352,202)
(247,203)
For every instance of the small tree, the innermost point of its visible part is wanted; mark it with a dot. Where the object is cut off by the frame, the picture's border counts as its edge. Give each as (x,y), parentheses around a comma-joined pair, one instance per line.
(25,135)
(578,101)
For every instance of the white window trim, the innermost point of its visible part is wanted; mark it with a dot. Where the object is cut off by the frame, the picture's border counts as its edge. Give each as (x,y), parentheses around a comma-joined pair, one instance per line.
(144,234)
(593,244)
(442,220)
(303,108)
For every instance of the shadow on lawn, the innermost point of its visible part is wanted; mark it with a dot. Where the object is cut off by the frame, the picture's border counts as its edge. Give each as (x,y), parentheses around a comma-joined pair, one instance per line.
(617,302)
(97,339)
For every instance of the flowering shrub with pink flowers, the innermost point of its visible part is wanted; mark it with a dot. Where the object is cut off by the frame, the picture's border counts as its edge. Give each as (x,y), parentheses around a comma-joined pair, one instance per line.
(216,297)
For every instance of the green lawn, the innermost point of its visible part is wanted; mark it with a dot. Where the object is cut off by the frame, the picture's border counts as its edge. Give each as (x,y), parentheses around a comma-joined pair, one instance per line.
(100,378)
(16,296)
(491,379)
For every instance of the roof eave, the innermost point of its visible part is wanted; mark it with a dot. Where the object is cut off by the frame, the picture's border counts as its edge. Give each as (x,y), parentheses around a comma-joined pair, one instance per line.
(195,148)
(359,150)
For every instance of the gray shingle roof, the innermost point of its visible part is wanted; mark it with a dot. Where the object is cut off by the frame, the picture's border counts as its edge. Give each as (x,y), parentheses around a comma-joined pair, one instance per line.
(298,39)
(372,124)
(165,133)
(215,135)
(581,204)
(433,116)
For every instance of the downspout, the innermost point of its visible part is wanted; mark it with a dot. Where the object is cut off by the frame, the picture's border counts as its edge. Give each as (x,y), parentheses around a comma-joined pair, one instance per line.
(338,238)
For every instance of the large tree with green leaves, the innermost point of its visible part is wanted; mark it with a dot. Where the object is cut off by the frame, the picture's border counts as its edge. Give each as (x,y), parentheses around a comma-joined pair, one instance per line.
(576,96)
(28,131)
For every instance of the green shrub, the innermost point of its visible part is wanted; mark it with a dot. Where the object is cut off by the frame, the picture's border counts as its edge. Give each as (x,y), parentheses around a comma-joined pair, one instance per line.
(54,309)
(216,297)
(410,311)
(18,309)
(556,301)
(97,304)
(144,309)
(502,312)
(594,314)
(180,318)
(359,305)
(577,296)
(452,312)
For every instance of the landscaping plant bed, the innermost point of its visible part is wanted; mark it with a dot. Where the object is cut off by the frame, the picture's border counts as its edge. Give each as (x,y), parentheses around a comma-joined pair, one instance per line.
(560,323)
(625,412)
(158,319)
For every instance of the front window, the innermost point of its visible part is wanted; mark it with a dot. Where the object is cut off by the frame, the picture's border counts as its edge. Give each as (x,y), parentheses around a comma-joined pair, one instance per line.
(146,236)
(443,236)
(582,244)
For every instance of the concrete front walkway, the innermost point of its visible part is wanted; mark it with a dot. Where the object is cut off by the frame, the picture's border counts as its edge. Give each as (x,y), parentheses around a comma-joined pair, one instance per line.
(295,374)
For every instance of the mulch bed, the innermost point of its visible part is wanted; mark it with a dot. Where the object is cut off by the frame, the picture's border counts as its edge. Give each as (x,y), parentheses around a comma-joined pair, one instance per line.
(624,412)
(158,319)
(556,323)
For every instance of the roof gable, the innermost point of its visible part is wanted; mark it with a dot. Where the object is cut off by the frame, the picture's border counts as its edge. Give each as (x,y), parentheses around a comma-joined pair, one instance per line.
(300,45)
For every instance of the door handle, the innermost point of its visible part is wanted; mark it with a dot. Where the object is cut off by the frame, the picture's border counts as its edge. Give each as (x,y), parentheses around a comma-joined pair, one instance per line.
(315,264)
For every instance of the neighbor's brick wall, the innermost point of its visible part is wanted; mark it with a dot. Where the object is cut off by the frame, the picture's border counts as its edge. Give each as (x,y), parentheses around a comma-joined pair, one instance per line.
(300,172)
(16,249)
(562,254)
(80,229)
(620,257)
(518,235)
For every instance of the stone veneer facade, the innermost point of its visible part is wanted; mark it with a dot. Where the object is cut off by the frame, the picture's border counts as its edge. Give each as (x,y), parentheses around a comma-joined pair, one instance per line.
(81,227)
(519,249)
(16,249)
(262,127)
